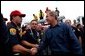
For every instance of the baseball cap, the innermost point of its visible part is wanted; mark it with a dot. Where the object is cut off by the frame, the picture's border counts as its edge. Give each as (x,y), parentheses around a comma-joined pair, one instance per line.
(17,13)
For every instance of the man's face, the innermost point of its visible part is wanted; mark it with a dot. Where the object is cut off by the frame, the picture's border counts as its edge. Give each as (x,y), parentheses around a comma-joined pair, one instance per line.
(68,22)
(39,27)
(18,19)
(34,24)
(49,18)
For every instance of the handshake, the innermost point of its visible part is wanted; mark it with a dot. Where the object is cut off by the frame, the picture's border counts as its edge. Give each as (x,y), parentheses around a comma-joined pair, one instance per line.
(33,51)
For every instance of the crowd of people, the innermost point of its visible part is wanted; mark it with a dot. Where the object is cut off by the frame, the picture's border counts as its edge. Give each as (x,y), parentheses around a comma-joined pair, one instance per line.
(53,38)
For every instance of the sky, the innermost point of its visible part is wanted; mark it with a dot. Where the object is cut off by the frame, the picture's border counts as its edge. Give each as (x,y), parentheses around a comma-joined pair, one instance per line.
(69,9)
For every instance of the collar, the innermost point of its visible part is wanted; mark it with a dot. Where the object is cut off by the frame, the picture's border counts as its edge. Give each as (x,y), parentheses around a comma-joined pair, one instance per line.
(57,25)
(13,24)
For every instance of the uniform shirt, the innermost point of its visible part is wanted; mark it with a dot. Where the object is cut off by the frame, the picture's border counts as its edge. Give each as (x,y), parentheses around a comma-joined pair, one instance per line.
(60,39)
(31,36)
(14,34)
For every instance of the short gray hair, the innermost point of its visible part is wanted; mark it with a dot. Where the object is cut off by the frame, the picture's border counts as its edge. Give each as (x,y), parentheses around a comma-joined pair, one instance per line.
(53,13)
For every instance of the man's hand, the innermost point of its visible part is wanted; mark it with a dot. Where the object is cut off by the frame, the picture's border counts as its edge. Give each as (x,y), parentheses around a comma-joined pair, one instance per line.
(33,51)
(35,46)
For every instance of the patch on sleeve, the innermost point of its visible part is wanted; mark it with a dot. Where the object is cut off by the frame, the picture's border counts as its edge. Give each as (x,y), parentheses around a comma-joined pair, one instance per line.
(12,31)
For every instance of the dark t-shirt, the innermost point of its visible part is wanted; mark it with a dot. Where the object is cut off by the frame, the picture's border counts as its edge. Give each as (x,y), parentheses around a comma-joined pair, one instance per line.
(31,37)
(4,38)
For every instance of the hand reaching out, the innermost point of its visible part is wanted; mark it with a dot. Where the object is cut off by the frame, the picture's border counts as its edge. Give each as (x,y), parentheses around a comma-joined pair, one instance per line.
(36,45)
(33,51)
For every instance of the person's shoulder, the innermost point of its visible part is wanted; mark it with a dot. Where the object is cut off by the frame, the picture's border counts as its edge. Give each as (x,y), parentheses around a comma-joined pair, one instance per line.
(12,30)
(62,24)
(10,26)
(65,26)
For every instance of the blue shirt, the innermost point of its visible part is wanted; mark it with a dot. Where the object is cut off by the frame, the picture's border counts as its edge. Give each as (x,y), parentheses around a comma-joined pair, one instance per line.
(61,39)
